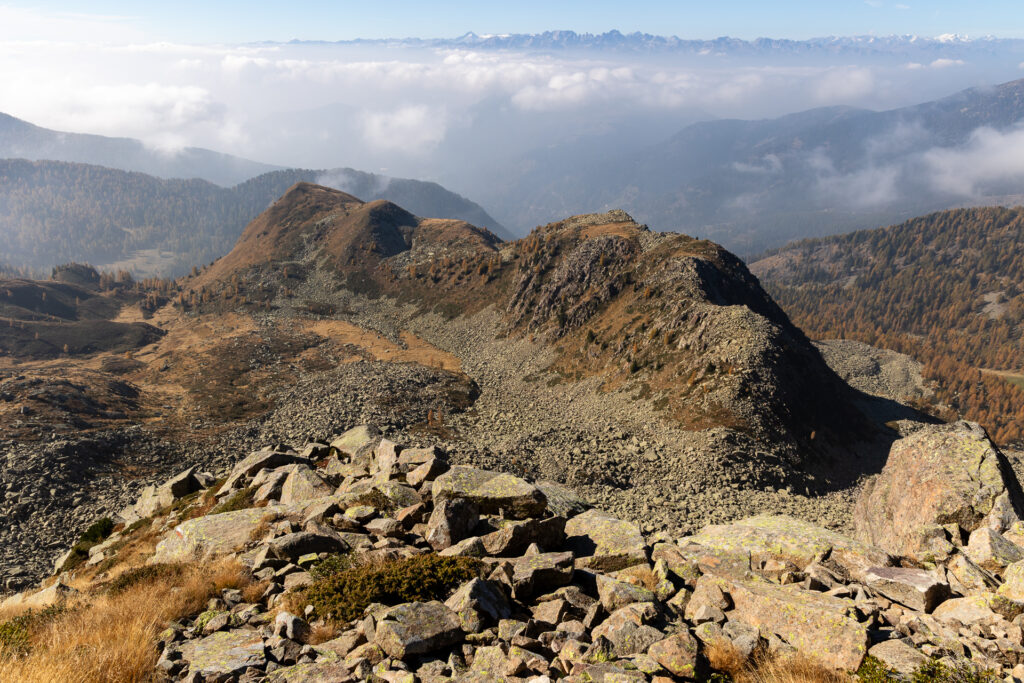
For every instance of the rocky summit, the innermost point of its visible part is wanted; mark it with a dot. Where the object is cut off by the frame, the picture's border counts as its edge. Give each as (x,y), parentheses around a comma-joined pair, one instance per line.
(366,559)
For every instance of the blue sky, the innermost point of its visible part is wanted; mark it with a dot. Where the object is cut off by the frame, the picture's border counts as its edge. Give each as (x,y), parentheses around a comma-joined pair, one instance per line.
(252,20)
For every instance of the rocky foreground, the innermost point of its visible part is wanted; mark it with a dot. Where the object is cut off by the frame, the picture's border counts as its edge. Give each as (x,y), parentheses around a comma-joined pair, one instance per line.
(515,580)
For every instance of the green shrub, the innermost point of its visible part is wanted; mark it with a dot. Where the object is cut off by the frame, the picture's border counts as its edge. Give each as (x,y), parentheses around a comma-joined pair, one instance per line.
(333,564)
(343,596)
(97,532)
(874,671)
(16,633)
(240,500)
(143,574)
(934,671)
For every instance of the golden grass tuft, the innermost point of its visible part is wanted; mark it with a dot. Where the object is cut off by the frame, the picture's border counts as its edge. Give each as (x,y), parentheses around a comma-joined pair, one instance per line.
(764,668)
(109,636)
(322,632)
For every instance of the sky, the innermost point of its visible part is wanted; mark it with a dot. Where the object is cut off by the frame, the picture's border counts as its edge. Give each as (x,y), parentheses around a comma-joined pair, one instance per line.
(234,21)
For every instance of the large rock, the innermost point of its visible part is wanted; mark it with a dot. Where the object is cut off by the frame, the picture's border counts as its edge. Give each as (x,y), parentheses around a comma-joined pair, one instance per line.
(677,653)
(479,604)
(295,545)
(989,550)
(562,501)
(417,628)
(210,536)
(225,654)
(155,498)
(786,539)
(254,462)
(357,441)
(914,588)
(303,484)
(516,537)
(534,575)
(898,656)
(52,595)
(605,543)
(814,623)
(941,474)
(493,492)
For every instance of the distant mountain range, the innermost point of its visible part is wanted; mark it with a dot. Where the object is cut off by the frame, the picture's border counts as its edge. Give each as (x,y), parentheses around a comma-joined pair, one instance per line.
(611,40)
(118,203)
(753,185)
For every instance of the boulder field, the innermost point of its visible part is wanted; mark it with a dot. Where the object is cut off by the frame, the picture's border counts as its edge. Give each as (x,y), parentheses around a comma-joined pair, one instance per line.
(417,570)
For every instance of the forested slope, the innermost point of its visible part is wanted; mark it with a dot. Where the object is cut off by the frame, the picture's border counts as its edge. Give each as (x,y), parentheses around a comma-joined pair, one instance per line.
(947,288)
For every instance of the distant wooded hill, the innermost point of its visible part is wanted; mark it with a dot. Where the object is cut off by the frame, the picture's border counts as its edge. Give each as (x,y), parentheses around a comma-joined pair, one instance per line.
(54,212)
(947,288)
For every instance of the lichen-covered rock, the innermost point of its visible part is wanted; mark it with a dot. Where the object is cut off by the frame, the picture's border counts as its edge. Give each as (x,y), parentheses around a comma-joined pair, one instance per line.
(210,536)
(254,462)
(303,484)
(615,594)
(493,492)
(603,542)
(479,604)
(417,628)
(989,550)
(898,656)
(938,475)
(677,653)
(537,574)
(515,537)
(224,654)
(784,538)
(357,441)
(1013,582)
(816,624)
(562,501)
(915,588)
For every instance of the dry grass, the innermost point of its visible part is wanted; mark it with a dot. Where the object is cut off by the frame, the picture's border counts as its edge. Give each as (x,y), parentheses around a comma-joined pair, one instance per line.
(322,632)
(263,527)
(111,636)
(725,658)
(254,591)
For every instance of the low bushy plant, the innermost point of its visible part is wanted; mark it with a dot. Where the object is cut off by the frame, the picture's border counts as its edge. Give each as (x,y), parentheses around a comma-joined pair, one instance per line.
(343,596)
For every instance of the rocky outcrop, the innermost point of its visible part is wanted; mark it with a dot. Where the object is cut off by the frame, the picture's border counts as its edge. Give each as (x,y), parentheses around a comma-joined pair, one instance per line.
(588,598)
(939,484)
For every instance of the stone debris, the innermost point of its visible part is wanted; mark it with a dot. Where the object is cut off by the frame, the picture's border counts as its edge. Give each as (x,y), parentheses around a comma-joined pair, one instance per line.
(583,598)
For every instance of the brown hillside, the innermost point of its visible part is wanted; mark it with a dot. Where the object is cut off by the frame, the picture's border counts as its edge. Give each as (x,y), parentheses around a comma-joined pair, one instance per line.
(680,320)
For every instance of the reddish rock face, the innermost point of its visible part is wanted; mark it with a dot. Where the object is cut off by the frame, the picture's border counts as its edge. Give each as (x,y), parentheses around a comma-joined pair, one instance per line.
(940,475)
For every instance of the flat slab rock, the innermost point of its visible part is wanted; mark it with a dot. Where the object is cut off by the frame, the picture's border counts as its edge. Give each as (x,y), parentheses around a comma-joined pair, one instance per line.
(815,624)
(915,588)
(493,492)
(209,536)
(224,653)
(603,542)
(785,538)
(898,656)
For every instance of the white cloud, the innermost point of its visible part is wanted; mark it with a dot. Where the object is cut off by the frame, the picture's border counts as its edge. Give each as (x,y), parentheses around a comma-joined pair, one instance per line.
(842,85)
(943,63)
(414,128)
(988,157)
